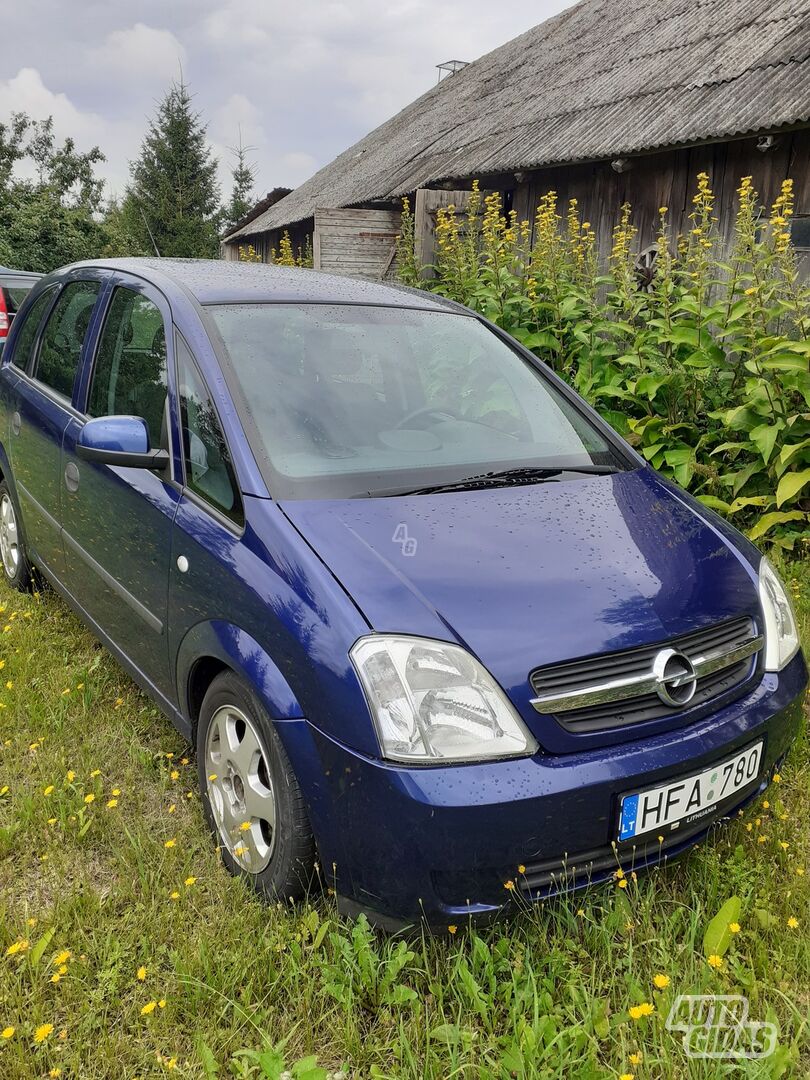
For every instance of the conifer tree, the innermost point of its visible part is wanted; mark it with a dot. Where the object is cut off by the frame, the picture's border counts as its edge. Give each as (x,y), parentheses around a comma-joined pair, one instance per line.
(242,198)
(172,203)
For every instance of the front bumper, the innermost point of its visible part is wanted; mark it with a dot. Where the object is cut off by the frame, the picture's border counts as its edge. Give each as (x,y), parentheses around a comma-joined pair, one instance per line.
(440,843)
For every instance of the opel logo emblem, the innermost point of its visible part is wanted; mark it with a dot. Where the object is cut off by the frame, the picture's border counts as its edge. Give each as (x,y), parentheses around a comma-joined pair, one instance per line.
(675,677)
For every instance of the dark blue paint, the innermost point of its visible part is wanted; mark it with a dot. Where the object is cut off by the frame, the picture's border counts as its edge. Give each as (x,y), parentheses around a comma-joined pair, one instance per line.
(520,576)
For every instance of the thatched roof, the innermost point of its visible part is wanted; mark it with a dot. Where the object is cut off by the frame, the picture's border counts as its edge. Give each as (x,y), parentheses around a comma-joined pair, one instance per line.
(604,79)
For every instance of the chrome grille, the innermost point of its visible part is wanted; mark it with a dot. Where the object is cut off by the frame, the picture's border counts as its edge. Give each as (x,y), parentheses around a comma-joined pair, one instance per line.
(616,689)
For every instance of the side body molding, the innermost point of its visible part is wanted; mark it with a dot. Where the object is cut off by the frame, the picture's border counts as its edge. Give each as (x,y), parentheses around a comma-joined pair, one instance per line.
(244,655)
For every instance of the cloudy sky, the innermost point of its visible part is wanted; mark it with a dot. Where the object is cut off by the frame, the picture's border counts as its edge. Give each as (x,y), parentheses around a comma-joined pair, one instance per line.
(303,78)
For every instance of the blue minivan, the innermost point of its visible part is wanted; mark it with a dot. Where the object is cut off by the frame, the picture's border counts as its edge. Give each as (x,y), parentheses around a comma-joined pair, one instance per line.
(440,636)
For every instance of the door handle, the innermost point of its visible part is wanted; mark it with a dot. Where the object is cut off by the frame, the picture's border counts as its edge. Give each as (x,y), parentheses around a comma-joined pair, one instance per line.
(16,423)
(72,477)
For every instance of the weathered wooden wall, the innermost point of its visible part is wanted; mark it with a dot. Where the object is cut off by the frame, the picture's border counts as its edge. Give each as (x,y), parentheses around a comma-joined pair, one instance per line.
(358,243)
(669,179)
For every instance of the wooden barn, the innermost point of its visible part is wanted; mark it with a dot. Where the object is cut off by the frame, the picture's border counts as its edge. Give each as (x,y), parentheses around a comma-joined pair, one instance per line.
(607,103)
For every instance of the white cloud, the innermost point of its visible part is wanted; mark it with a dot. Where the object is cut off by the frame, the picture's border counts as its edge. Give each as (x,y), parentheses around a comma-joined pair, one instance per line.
(140,52)
(26,92)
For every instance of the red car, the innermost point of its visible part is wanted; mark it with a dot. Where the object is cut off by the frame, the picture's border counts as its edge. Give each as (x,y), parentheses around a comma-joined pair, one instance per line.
(14,287)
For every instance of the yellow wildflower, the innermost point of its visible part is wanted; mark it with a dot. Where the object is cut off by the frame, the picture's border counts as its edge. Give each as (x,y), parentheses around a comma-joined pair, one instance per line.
(174,774)
(95,773)
(636,1058)
(622,883)
(48,790)
(793,922)
(175,895)
(17,947)
(509,885)
(189,882)
(42,1032)
(734,927)
(452,928)
(644,1009)
(112,803)
(90,797)
(62,957)
(715,961)
(7,1032)
(141,973)
(170,843)
(661,981)
(70,776)
(148,1008)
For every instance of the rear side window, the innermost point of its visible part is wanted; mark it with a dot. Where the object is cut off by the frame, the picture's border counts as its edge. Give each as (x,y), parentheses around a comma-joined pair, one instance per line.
(129,377)
(64,334)
(209,472)
(27,331)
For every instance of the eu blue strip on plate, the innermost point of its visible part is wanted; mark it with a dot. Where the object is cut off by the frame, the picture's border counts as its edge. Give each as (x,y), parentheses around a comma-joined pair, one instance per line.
(627,826)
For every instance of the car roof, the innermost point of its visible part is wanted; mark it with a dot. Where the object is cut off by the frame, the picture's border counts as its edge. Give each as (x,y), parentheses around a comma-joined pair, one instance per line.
(22,275)
(217,281)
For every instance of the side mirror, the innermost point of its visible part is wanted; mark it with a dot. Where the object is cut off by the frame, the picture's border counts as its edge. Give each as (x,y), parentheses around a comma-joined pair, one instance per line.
(119,440)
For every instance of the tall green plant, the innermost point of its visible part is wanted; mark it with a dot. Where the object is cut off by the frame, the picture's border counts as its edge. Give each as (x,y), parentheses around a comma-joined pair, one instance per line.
(703,362)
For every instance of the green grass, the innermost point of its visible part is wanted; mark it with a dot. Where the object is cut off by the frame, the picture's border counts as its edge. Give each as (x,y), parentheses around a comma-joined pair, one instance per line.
(544,995)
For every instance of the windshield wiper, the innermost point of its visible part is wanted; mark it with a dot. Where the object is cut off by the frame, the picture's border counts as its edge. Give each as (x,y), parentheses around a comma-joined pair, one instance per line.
(524,474)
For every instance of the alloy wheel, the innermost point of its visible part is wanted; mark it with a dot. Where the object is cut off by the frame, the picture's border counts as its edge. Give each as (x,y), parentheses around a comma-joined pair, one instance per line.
(9,537)
(240,788)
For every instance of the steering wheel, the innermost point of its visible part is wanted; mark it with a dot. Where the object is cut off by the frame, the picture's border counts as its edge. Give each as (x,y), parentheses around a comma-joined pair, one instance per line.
(441,410)
(426,410)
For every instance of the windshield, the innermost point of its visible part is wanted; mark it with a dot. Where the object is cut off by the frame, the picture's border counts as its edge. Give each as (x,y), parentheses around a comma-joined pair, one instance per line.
(350,401)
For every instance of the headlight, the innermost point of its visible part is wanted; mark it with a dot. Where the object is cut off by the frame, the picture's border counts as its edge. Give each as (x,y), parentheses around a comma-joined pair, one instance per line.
(781,632)
(434,703)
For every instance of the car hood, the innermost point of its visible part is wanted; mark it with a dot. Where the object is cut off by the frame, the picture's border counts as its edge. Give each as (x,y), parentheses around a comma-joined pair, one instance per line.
(532,575)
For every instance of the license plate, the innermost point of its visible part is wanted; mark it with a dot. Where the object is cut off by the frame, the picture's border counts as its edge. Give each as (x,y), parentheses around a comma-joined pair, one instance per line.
(666,808)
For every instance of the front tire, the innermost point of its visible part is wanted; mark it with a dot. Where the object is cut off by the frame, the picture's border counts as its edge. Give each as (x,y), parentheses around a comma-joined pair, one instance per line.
(13,555)
(251,798)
